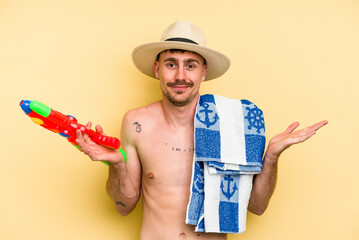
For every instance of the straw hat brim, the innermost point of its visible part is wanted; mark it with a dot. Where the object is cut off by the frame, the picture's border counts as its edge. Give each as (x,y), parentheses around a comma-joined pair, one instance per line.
(145,55)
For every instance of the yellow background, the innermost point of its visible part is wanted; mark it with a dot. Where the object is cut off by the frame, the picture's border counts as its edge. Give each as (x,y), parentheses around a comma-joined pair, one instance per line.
(297,60)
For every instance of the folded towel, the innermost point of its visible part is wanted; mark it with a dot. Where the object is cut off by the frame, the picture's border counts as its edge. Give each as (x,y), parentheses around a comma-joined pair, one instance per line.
(229,144)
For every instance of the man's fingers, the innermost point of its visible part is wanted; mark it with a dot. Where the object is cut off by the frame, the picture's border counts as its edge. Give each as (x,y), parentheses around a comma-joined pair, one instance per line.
(314,127)
(79,137)
(318,125)
(311,128)
(93,150)
(99,129)
(301,137)
(81,141)
(292,127)
(306,133)
(87,139)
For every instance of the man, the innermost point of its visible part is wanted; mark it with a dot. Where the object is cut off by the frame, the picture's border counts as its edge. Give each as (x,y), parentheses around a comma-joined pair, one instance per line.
(159,138)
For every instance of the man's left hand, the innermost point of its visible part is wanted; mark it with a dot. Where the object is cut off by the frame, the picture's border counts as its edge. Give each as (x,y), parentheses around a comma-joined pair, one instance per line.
(289,137)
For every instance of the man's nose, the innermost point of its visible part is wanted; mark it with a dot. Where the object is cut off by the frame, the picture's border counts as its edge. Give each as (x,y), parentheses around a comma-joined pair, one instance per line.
(180,74)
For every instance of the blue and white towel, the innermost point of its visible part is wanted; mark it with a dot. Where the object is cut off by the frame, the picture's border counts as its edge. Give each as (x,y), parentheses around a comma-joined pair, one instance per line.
(229,144)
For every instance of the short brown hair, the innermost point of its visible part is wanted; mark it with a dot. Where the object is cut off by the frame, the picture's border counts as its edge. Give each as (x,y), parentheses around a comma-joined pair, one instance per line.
(178,50)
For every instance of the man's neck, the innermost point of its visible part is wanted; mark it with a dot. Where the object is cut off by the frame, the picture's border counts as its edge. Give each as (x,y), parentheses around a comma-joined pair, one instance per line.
(179,116)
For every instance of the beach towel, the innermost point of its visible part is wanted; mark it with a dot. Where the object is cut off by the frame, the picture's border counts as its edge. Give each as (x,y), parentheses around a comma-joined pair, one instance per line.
(229,144)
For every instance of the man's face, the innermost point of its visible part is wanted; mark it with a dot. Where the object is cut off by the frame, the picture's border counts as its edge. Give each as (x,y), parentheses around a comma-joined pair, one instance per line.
(180,75)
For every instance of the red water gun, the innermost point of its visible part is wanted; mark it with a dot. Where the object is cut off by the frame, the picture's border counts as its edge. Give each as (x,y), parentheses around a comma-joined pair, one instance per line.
(65,125)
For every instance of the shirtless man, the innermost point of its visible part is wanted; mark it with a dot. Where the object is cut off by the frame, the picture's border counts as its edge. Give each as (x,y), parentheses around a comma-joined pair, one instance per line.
(158,140)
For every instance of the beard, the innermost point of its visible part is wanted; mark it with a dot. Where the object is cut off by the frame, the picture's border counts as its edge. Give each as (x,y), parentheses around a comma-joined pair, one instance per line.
(179,100)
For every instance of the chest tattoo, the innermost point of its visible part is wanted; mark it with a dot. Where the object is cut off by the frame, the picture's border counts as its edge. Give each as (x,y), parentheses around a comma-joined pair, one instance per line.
(181,149)
(177,149)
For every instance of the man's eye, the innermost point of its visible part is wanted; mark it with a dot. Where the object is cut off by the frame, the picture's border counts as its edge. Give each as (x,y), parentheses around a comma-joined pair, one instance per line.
(191,66)
(171,65)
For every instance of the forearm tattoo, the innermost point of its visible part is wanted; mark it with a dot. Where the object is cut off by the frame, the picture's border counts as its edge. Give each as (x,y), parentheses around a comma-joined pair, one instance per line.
(138,127)
(121,203)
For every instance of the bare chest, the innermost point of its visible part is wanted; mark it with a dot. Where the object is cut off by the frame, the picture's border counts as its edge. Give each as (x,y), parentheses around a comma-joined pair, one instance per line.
(166,157)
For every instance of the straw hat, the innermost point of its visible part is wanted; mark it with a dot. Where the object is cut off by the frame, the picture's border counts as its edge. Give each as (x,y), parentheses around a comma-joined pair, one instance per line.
(185,36)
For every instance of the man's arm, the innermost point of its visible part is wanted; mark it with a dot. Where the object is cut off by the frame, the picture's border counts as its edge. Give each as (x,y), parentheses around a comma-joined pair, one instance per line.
(123,184)
(264,183)
(124,181)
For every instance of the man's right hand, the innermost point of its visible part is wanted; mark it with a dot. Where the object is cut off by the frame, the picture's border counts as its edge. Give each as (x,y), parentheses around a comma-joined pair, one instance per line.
(95,151)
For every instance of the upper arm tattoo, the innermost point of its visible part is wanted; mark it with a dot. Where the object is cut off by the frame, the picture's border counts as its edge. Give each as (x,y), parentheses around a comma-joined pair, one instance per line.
(138,127)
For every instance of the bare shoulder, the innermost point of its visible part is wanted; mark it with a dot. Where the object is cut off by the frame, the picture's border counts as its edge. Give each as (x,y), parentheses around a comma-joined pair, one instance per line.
(134,120)
(144,114)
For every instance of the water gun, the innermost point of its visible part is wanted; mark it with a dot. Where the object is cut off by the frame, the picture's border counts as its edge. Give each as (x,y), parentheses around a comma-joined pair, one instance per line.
(65,125)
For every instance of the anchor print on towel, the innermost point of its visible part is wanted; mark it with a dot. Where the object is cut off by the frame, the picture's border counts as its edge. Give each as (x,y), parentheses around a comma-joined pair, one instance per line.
(205,112)
(229,193)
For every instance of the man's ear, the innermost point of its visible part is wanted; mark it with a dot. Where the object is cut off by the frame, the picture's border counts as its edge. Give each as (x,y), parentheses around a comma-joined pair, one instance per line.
(156,67)
(204,71)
